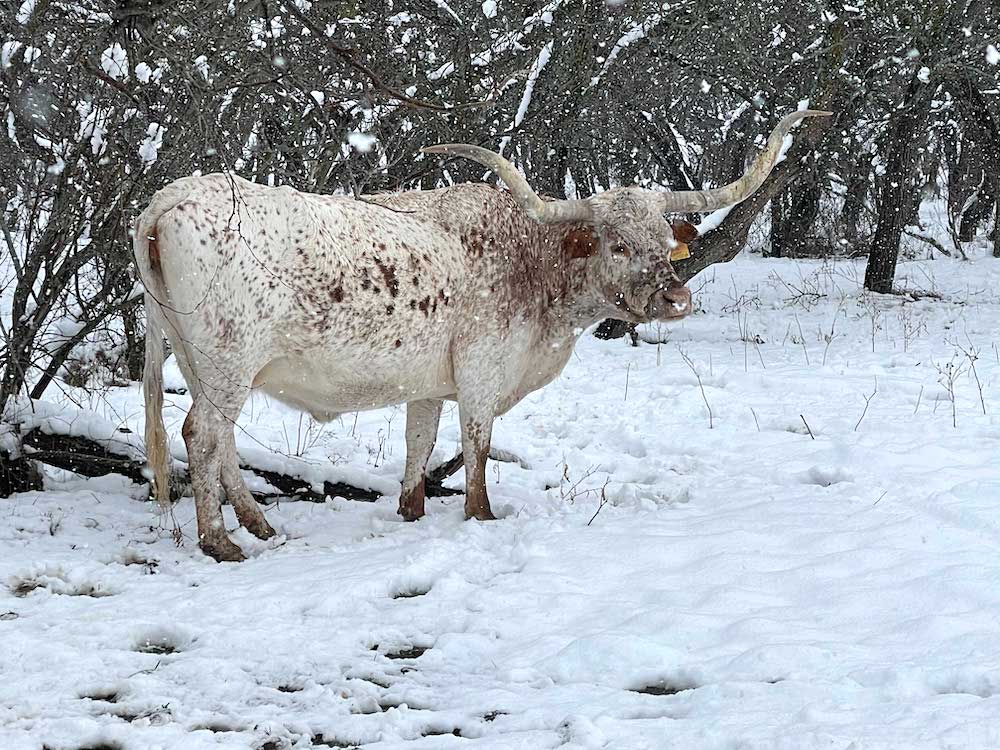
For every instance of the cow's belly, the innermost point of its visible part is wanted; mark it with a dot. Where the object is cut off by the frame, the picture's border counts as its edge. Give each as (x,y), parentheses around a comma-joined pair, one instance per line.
(539,366)
(328,387)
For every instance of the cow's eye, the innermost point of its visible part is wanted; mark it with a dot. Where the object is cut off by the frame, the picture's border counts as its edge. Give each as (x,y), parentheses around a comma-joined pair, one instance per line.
(619,250)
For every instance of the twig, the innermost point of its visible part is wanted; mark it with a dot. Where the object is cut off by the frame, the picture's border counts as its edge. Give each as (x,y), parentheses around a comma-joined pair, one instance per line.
(807,426)
(947,375)
(147,671)
(929,240)
(802,339)
(972,354)
(868,400)
(604,501)
(690,364)
(348,55)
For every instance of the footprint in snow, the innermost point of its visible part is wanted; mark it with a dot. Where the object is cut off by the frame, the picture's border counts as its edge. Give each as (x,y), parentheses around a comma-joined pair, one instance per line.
(824,477)
(56,581)
(161,640)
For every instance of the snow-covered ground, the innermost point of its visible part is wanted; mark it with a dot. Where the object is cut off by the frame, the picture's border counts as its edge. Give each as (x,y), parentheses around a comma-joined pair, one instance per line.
(813,564)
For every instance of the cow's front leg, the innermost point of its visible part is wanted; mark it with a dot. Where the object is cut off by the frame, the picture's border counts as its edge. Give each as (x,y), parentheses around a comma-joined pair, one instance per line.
(477,427)
(422,419)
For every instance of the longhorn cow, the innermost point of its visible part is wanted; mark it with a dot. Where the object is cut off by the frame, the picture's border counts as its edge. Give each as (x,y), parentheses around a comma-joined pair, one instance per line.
(330,304)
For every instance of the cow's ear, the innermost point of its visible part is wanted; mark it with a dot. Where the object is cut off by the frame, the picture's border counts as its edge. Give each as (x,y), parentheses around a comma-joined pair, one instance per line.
(580,243)
(684,231)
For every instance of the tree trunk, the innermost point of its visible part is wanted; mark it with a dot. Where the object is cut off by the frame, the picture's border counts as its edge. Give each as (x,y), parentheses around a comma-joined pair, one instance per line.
(135,342)
(975,171)
(996,230)
(725,242)
(854,202)
(778,233)
(792,216)
(906,138)
(978,212)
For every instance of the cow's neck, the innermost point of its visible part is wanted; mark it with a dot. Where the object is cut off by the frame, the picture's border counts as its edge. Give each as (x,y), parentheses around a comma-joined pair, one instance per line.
(562,296)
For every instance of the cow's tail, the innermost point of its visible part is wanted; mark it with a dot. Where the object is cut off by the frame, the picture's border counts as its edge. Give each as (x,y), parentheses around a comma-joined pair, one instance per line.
(157,449)
(147,256)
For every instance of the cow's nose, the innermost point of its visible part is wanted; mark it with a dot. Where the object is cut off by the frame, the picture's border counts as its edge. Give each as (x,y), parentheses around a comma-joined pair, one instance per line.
(672,302)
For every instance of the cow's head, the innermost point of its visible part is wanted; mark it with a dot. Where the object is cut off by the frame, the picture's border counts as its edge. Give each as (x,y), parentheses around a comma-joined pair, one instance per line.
(622,234)
(625,249)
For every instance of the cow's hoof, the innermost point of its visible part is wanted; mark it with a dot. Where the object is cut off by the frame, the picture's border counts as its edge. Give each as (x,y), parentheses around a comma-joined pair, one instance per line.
(222,550)
(481,514)
(410,514)
(260,529)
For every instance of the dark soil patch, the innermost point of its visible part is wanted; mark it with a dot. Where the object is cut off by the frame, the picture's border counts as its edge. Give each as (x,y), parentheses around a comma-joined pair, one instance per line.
(372,680)
(24,588)
(321,740)
(385,705)
(88,591)
(109,695)
(433,732)
(156,648)
(413,652)
(666,687)
(411,593)
(217,727)
(26,585)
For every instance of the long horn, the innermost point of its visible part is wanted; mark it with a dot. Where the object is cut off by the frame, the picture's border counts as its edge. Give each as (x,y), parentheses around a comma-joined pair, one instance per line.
(709,200)
(544,212)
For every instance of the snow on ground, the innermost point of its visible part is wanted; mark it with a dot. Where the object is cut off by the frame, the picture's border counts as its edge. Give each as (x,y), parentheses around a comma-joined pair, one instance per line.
(794,571)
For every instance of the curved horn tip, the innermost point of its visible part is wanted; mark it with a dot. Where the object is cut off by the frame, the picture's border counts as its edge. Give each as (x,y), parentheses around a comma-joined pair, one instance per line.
(441,148)
(815,113)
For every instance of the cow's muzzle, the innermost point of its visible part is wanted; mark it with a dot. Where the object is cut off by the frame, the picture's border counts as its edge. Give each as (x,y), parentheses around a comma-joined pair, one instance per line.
(670,303)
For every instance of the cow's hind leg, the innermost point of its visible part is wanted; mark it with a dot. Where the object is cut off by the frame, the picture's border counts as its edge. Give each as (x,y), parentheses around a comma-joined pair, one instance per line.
(248,512)
(422,419)
(205,436)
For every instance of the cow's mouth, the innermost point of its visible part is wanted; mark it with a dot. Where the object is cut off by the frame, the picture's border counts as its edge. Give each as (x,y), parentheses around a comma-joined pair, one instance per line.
(669,304)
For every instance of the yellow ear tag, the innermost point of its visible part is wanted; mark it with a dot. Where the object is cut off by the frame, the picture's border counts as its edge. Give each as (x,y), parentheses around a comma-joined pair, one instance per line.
(680,252)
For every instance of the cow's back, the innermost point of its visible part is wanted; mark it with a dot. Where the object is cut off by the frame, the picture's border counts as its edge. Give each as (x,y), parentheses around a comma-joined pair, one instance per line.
(326,292)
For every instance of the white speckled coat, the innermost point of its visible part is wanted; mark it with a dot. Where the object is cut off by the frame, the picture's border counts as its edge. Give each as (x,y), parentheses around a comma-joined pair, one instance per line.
(333,304)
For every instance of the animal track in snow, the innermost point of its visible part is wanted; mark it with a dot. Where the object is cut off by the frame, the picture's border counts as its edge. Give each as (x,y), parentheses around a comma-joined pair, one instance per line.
(56,581)
(161,640)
